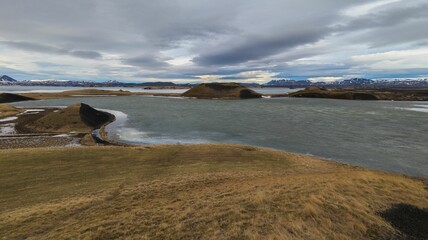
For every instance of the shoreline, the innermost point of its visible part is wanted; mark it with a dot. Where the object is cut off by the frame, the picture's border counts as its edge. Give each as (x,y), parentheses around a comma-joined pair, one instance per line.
(417,95)
(100,136)
(119,182)
(111,142)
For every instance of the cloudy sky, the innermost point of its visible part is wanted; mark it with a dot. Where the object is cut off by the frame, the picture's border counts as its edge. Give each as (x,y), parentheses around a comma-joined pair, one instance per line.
(206,40)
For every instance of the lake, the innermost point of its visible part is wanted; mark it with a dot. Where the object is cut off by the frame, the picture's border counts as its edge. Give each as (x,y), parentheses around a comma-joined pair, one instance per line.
(50,89)
(385,135)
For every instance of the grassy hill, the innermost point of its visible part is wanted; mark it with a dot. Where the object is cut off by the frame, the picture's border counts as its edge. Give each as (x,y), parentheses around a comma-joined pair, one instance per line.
(198,192)
(79,118)
(221,91)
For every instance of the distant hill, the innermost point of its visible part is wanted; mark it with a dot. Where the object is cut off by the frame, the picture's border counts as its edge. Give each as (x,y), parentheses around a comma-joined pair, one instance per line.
(9,97)
(363,94)
(289,83)
(352,83)
(221,91)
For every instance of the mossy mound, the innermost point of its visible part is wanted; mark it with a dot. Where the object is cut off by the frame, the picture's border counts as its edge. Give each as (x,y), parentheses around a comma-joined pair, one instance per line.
(221,91)
(10,97)
(79,118)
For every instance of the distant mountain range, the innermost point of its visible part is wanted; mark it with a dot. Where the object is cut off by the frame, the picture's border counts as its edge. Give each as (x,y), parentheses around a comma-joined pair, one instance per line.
(348,83)
(6,80)
(353,83)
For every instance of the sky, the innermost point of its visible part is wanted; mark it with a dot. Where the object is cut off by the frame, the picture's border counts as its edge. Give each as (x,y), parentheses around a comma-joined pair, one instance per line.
(206,40)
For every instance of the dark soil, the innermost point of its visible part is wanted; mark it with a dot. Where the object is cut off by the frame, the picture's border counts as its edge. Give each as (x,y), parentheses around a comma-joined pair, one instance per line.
(411,221)
(9,97)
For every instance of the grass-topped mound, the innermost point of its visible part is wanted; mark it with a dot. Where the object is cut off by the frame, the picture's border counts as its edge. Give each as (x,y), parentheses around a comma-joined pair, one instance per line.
(79,118)
(221,91)
(10,97)
(201,192)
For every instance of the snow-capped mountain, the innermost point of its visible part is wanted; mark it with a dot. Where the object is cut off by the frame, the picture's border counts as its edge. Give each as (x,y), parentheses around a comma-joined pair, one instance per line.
(6,78)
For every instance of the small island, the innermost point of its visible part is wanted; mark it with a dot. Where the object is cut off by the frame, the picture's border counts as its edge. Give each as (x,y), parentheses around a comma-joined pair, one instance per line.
(221,91)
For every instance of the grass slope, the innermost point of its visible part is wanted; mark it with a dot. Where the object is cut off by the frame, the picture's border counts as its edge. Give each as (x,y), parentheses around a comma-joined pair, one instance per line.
(7,111)
(221,91)
(194,192)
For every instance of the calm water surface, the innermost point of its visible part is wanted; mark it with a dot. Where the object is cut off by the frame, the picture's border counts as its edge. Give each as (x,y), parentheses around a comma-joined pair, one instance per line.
(390,136)
(50,89)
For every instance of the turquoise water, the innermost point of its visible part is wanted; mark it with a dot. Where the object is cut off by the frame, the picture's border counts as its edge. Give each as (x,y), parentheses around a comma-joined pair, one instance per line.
(390,136)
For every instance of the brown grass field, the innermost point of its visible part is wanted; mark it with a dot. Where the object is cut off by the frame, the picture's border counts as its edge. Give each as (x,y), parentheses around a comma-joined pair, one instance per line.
(194,192)
(8,111)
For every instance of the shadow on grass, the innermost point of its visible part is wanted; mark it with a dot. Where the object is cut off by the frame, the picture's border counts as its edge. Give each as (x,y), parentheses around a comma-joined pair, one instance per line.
(409,220)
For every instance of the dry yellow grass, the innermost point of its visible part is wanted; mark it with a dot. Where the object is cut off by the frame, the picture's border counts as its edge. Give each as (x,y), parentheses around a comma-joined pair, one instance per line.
(8,110)
(193,192)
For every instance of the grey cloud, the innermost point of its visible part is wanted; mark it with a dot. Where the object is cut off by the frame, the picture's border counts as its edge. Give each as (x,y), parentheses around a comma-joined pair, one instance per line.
(253,48)
(35,47)
(409,32)
(220,36)
(393,14)
(86,54)
(49,64)
(150,61)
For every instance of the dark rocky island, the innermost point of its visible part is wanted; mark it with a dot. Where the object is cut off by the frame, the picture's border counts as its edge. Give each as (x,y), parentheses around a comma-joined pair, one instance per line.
(9,97)
(221,91)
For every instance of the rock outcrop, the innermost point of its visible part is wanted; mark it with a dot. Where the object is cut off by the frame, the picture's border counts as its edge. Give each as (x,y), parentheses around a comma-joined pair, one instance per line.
(10,97)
